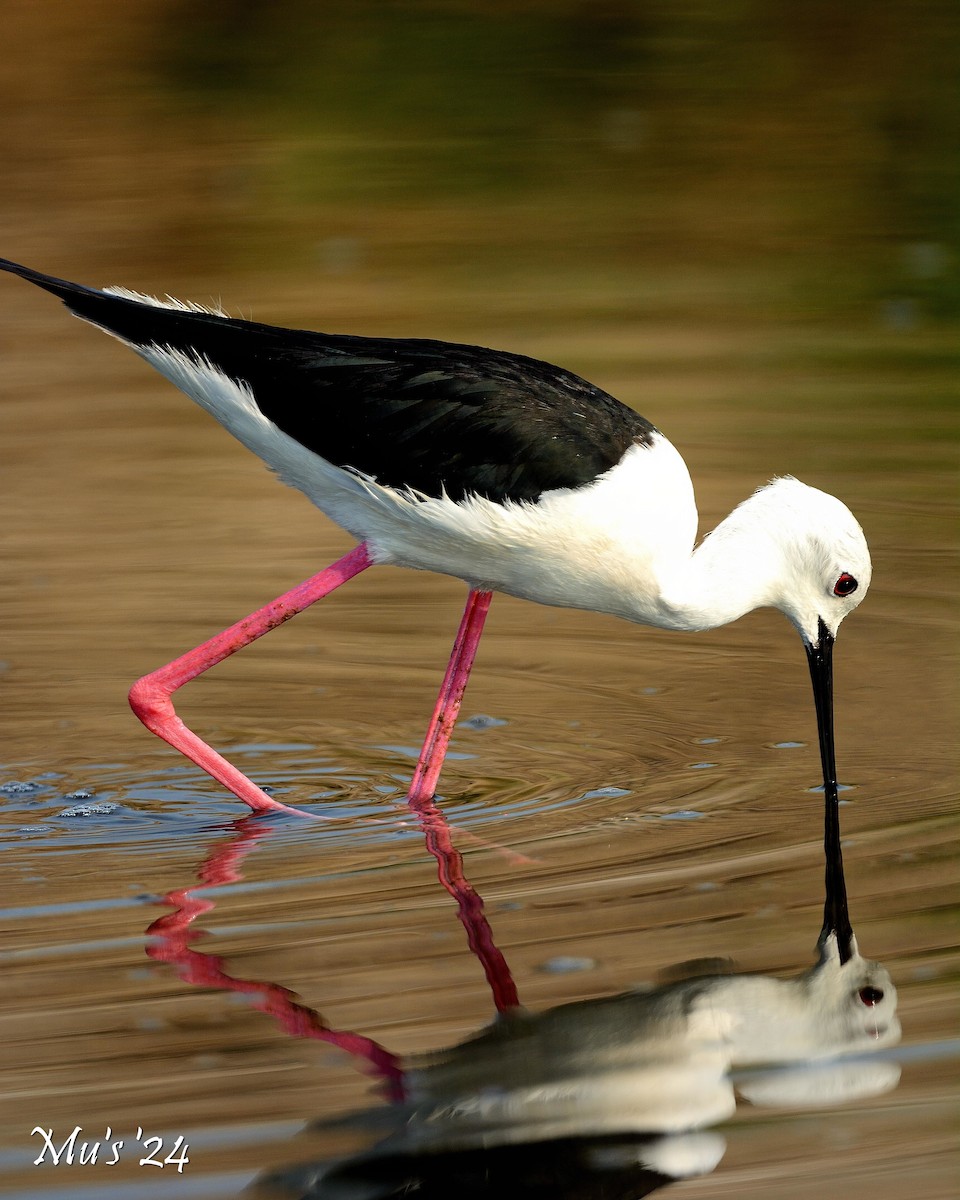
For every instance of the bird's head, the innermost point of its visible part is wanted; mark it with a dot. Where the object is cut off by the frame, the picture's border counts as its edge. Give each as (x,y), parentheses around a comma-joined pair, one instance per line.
(825,568)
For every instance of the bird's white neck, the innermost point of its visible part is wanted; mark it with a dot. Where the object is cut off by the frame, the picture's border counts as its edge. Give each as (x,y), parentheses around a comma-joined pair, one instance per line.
(735,569)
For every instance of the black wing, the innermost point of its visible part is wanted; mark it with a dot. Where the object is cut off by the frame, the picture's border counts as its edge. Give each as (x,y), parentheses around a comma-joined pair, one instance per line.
(428,415)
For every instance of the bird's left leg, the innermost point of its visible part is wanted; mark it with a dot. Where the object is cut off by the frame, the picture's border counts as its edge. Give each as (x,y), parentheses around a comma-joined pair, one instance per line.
(150,697)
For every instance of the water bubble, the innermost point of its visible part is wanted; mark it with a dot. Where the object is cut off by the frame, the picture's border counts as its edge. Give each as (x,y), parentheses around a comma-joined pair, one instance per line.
(603,793)
(101,809)
(482,721)
(567,964)
(17,788)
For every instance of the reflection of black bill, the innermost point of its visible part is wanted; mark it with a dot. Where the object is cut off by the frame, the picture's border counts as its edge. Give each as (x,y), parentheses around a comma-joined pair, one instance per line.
(835,916)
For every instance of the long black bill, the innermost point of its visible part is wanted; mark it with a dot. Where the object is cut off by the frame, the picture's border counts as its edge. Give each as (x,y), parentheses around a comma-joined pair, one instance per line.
(836,919)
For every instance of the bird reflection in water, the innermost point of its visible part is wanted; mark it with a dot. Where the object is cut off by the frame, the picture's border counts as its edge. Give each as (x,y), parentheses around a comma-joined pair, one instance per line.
(601,1098)
(609,1098)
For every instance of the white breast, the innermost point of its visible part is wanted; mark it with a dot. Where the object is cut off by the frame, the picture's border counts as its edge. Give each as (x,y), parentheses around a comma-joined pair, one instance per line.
(599,547)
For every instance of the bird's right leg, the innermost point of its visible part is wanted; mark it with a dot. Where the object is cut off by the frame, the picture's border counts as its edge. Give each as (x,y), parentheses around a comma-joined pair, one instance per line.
(436,830)
(150,697)
(433,752)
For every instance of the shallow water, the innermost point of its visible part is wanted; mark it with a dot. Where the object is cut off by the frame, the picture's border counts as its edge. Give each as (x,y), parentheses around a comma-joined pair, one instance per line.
(638,799)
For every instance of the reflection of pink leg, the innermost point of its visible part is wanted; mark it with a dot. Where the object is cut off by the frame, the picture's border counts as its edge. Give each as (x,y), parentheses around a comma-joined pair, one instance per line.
(436,834)
(169,939)
(451,694)
(150,697)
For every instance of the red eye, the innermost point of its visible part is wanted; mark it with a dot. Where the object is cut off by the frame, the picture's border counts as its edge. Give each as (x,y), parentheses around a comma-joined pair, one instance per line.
(870,996)
(846,585)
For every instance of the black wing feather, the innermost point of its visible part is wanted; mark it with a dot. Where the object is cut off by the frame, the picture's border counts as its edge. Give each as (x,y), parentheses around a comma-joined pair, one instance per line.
(434,416)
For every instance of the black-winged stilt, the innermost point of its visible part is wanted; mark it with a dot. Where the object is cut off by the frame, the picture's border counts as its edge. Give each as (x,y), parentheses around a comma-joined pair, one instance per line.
(511,474)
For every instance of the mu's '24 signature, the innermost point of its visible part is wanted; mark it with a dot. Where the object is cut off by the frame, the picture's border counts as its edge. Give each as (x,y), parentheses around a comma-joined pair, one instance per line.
(107,1150)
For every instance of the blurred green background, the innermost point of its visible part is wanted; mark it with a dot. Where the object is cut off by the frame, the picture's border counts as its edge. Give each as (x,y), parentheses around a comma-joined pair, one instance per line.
(809,151)
(800,161)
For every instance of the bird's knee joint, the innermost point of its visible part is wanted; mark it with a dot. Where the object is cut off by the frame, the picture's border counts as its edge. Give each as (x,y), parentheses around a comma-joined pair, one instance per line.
(150,700)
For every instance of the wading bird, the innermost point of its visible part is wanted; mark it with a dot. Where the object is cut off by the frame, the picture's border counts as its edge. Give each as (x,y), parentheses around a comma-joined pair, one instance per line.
(508,473)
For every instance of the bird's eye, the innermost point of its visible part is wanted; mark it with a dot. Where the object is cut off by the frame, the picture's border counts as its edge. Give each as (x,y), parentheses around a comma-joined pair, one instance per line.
(846,585)
(870,996)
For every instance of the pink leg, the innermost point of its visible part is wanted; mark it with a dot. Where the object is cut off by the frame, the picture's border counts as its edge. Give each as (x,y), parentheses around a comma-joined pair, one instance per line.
(454,684)
(150,697)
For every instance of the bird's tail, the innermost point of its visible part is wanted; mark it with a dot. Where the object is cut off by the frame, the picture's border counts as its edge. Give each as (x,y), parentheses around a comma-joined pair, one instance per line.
(69,293)
(136,319)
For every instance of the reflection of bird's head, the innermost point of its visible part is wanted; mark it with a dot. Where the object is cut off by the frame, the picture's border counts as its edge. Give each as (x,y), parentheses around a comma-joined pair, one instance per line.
(833,1009)
(856,1000)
